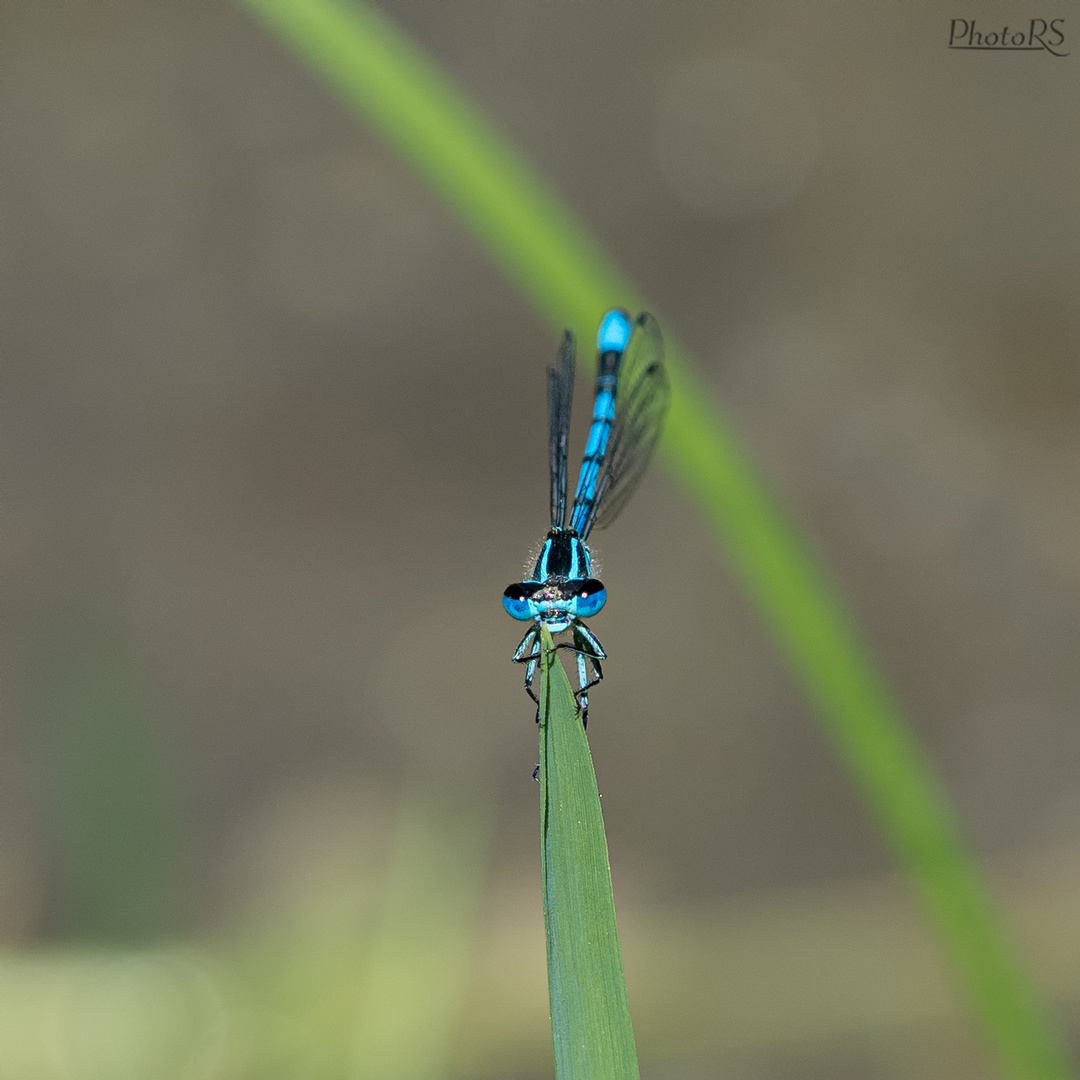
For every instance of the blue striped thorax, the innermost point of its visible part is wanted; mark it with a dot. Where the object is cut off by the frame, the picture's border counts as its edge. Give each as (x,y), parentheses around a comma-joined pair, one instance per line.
(562,556)
(561,588)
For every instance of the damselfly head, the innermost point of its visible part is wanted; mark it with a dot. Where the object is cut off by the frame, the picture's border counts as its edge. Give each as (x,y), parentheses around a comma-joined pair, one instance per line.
(555,603)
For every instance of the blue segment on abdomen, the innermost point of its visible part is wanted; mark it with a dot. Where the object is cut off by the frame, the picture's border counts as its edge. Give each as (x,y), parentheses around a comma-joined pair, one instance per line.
(603,414)
(614,332)
(596,444)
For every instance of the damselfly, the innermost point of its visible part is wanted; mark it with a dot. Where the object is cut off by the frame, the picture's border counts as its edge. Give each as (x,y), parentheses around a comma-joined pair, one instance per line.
(628,415)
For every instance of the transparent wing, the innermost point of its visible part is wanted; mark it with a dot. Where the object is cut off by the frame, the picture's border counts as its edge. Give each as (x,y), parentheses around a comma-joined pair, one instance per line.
(644,349)
(560,398)
(641,407)
(630,454)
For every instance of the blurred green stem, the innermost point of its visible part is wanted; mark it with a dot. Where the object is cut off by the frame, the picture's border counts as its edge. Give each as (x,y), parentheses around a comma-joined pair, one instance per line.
(118,867)
(376,71)
(418,957)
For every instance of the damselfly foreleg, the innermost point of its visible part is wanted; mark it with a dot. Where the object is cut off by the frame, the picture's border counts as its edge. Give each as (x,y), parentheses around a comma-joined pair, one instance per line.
(528,653)
(589,652)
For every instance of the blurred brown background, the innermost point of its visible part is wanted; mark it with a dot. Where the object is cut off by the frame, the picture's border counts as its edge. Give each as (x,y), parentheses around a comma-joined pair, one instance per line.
(272,441)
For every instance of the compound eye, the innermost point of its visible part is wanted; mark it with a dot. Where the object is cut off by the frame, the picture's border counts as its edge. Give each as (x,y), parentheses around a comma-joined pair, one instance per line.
(517,599)
(589,598)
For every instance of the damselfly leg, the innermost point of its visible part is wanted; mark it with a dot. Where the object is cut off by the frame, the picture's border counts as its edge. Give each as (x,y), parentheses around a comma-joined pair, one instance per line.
(588,653)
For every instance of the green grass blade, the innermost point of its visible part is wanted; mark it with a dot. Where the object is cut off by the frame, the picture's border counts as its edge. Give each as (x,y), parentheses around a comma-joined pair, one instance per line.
(379,73)
(590,1016)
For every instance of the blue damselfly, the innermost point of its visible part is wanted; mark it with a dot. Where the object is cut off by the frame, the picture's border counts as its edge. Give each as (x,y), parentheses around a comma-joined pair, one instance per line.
(631,402)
